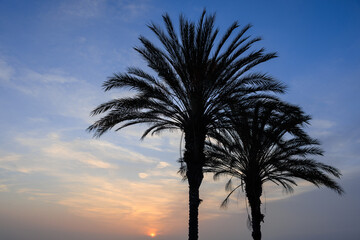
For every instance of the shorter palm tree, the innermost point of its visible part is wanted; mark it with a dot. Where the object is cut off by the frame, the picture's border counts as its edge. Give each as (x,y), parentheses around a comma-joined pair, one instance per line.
(267,143)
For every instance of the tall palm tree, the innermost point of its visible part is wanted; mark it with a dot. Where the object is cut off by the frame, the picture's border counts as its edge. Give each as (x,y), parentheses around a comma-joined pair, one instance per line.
(267,143)
(195,82)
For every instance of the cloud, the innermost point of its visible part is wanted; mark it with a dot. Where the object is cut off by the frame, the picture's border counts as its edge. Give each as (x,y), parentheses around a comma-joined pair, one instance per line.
(321,127)
(46,78)
(3,188)
(160,171)
(166,141)
(88,178)
(6,71)
(322,123)
(143,175)
(91,179)
(144,203)
(37,120)
(53,170)
(59,160)
(9,158)
(134,9)
(83,8)
(90,152)
(90,9)
(66,152)
(56,91)
(34,83)
(162,165)
(168,174)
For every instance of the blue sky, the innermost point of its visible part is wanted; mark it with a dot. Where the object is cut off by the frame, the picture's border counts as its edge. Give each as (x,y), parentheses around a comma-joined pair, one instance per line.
(56,180)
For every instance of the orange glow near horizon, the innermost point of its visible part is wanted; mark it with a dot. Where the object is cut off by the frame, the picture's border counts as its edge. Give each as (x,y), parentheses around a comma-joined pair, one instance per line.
(152,234)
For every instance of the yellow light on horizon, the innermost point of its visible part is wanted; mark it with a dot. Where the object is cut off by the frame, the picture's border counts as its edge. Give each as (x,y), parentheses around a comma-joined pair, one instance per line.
(152,234)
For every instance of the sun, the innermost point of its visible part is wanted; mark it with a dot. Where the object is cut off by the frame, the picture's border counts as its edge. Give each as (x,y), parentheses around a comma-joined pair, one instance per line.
(152,234)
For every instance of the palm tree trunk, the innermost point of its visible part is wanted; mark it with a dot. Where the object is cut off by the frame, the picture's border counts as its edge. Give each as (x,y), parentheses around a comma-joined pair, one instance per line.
(195,177)
(253,193)
(256,219)
(194,158)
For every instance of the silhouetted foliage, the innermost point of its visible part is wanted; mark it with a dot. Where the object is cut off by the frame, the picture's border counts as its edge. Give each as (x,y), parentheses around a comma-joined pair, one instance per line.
(198,76)
(267,143)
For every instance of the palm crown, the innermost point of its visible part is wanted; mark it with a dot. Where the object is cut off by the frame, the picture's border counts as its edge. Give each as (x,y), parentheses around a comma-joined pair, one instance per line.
(195,80)
(267,143)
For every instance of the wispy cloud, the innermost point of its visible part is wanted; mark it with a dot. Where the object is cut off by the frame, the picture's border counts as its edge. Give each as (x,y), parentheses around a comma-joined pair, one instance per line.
(3,188)
(47,78)
(162,169)
(6,71)
(88,9)
(83,8)
(59,92)
(322,127)
(162,165)
(87,151)
(166,141)
(322,123)
(9,158)
(147,203)
(105,194)
(134,9)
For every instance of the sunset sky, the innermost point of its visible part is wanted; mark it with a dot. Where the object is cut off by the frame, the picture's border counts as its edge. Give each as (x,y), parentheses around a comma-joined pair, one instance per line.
(57,182)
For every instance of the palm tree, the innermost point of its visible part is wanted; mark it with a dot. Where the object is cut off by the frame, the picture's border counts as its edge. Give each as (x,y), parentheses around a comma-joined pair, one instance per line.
(195,82)
(267,143)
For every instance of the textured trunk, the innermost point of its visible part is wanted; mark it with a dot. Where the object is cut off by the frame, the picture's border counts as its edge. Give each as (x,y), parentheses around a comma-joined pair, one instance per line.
(194,159)
(253,193)
(256,218)
(195,177)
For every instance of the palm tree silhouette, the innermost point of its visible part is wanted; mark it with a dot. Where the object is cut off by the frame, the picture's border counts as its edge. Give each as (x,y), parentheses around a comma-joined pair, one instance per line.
(267,143)
(194,84)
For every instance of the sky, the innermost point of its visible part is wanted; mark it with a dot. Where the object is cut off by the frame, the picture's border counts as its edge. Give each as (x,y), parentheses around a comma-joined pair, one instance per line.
(57,182)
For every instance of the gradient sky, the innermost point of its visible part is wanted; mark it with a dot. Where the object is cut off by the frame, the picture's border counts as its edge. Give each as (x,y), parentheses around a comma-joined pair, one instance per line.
(57,182)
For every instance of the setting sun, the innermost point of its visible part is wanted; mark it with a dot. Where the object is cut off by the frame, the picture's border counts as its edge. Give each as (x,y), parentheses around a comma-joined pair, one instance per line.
(152,234)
